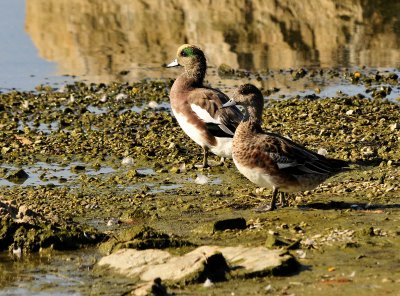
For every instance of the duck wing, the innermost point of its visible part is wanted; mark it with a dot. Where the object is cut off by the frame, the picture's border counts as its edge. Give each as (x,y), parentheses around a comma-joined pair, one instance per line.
(220,122)
(295,159)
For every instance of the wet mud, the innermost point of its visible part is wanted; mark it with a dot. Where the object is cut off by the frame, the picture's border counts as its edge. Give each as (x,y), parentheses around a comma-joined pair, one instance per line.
(115,170)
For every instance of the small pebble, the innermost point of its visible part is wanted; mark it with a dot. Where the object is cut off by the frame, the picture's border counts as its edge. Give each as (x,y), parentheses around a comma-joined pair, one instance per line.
(104,98)
(394,126)
(322,151)
(17,252)
(302,254)
(201,180)
(153,105)
(208,283)
(127,161)
(112,222)
(120,97)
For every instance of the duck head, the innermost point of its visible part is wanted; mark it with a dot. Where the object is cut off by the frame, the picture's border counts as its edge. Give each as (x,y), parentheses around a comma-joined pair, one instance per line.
(192,58)
(251,98)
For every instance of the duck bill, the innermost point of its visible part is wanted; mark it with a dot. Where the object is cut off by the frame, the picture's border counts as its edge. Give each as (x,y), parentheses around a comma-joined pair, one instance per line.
(174,63)
(230,103)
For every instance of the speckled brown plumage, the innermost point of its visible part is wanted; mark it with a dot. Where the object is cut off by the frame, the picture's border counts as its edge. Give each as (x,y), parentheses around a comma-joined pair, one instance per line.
(270,160)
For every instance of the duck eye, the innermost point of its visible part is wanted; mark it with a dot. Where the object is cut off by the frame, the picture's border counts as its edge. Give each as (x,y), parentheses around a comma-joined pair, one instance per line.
(184,54)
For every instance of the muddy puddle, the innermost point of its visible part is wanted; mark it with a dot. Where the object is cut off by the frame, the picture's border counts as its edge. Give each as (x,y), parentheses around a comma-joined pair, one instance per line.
(64,273)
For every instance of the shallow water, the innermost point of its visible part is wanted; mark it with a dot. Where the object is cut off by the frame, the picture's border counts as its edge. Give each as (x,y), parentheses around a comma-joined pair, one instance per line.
(41,174)
(58,273)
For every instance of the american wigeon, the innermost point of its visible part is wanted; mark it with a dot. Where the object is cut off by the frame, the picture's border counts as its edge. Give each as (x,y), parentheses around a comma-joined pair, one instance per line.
(197,108)
(270,160)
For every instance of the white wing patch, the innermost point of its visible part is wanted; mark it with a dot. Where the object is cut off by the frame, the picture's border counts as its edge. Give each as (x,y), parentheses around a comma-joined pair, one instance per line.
(206,117)
(203,114)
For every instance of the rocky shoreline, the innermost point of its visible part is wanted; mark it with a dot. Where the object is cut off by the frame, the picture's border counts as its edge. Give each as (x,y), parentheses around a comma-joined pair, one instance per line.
(349,220)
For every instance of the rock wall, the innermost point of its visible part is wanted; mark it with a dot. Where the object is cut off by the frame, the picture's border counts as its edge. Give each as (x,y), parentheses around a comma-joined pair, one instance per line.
(104,37)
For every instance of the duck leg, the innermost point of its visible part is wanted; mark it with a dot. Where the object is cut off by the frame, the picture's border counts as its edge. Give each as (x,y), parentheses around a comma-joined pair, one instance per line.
(205,156)
(273,200)
(282,199)
(272,205)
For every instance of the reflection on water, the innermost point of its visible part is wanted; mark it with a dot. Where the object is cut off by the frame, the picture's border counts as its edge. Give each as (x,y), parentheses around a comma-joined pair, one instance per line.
(104,38)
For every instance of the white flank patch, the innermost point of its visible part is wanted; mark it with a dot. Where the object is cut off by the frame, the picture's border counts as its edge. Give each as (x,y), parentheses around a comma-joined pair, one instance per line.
(223,147)
(255,176)
(206,117)
(191,130)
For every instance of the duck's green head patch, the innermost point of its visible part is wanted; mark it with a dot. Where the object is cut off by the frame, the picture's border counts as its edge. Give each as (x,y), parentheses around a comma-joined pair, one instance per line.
(188,52)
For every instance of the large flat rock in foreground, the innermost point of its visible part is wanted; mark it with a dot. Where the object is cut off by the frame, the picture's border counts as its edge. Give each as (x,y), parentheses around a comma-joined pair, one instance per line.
(206,262)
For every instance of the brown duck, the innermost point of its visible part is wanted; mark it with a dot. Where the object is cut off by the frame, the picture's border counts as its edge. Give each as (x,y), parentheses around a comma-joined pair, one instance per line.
(197,108)
(270,160)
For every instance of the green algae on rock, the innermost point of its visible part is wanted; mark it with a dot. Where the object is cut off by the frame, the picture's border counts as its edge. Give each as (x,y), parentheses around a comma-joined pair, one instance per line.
(28,231)
(141,238)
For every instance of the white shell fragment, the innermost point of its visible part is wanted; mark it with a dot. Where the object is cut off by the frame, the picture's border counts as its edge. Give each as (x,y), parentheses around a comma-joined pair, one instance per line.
(201,180)
(127,161)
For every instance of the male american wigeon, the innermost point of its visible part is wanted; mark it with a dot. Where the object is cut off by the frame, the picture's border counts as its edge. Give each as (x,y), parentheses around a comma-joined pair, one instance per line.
(270,160)
(197,108)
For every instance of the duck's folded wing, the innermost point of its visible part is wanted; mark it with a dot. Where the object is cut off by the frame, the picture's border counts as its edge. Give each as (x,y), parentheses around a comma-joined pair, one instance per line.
(295,159)
(219,122)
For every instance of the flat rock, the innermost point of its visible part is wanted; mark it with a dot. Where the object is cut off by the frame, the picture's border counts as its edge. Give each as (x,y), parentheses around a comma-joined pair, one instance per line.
(257,261)
(133,263)
(212,262)
(17,176)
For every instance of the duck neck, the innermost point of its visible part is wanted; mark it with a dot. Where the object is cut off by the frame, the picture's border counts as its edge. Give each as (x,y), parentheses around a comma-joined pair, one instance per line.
(196,72)
(253,115)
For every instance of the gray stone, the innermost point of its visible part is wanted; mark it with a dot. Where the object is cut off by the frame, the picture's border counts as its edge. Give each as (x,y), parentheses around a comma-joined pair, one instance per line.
(212,262)
(395,126)
(133,263)
(147,265)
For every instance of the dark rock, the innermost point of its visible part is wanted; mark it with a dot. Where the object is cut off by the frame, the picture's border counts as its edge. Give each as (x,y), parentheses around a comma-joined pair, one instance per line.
(17,176)
(235,223)
(78,168)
